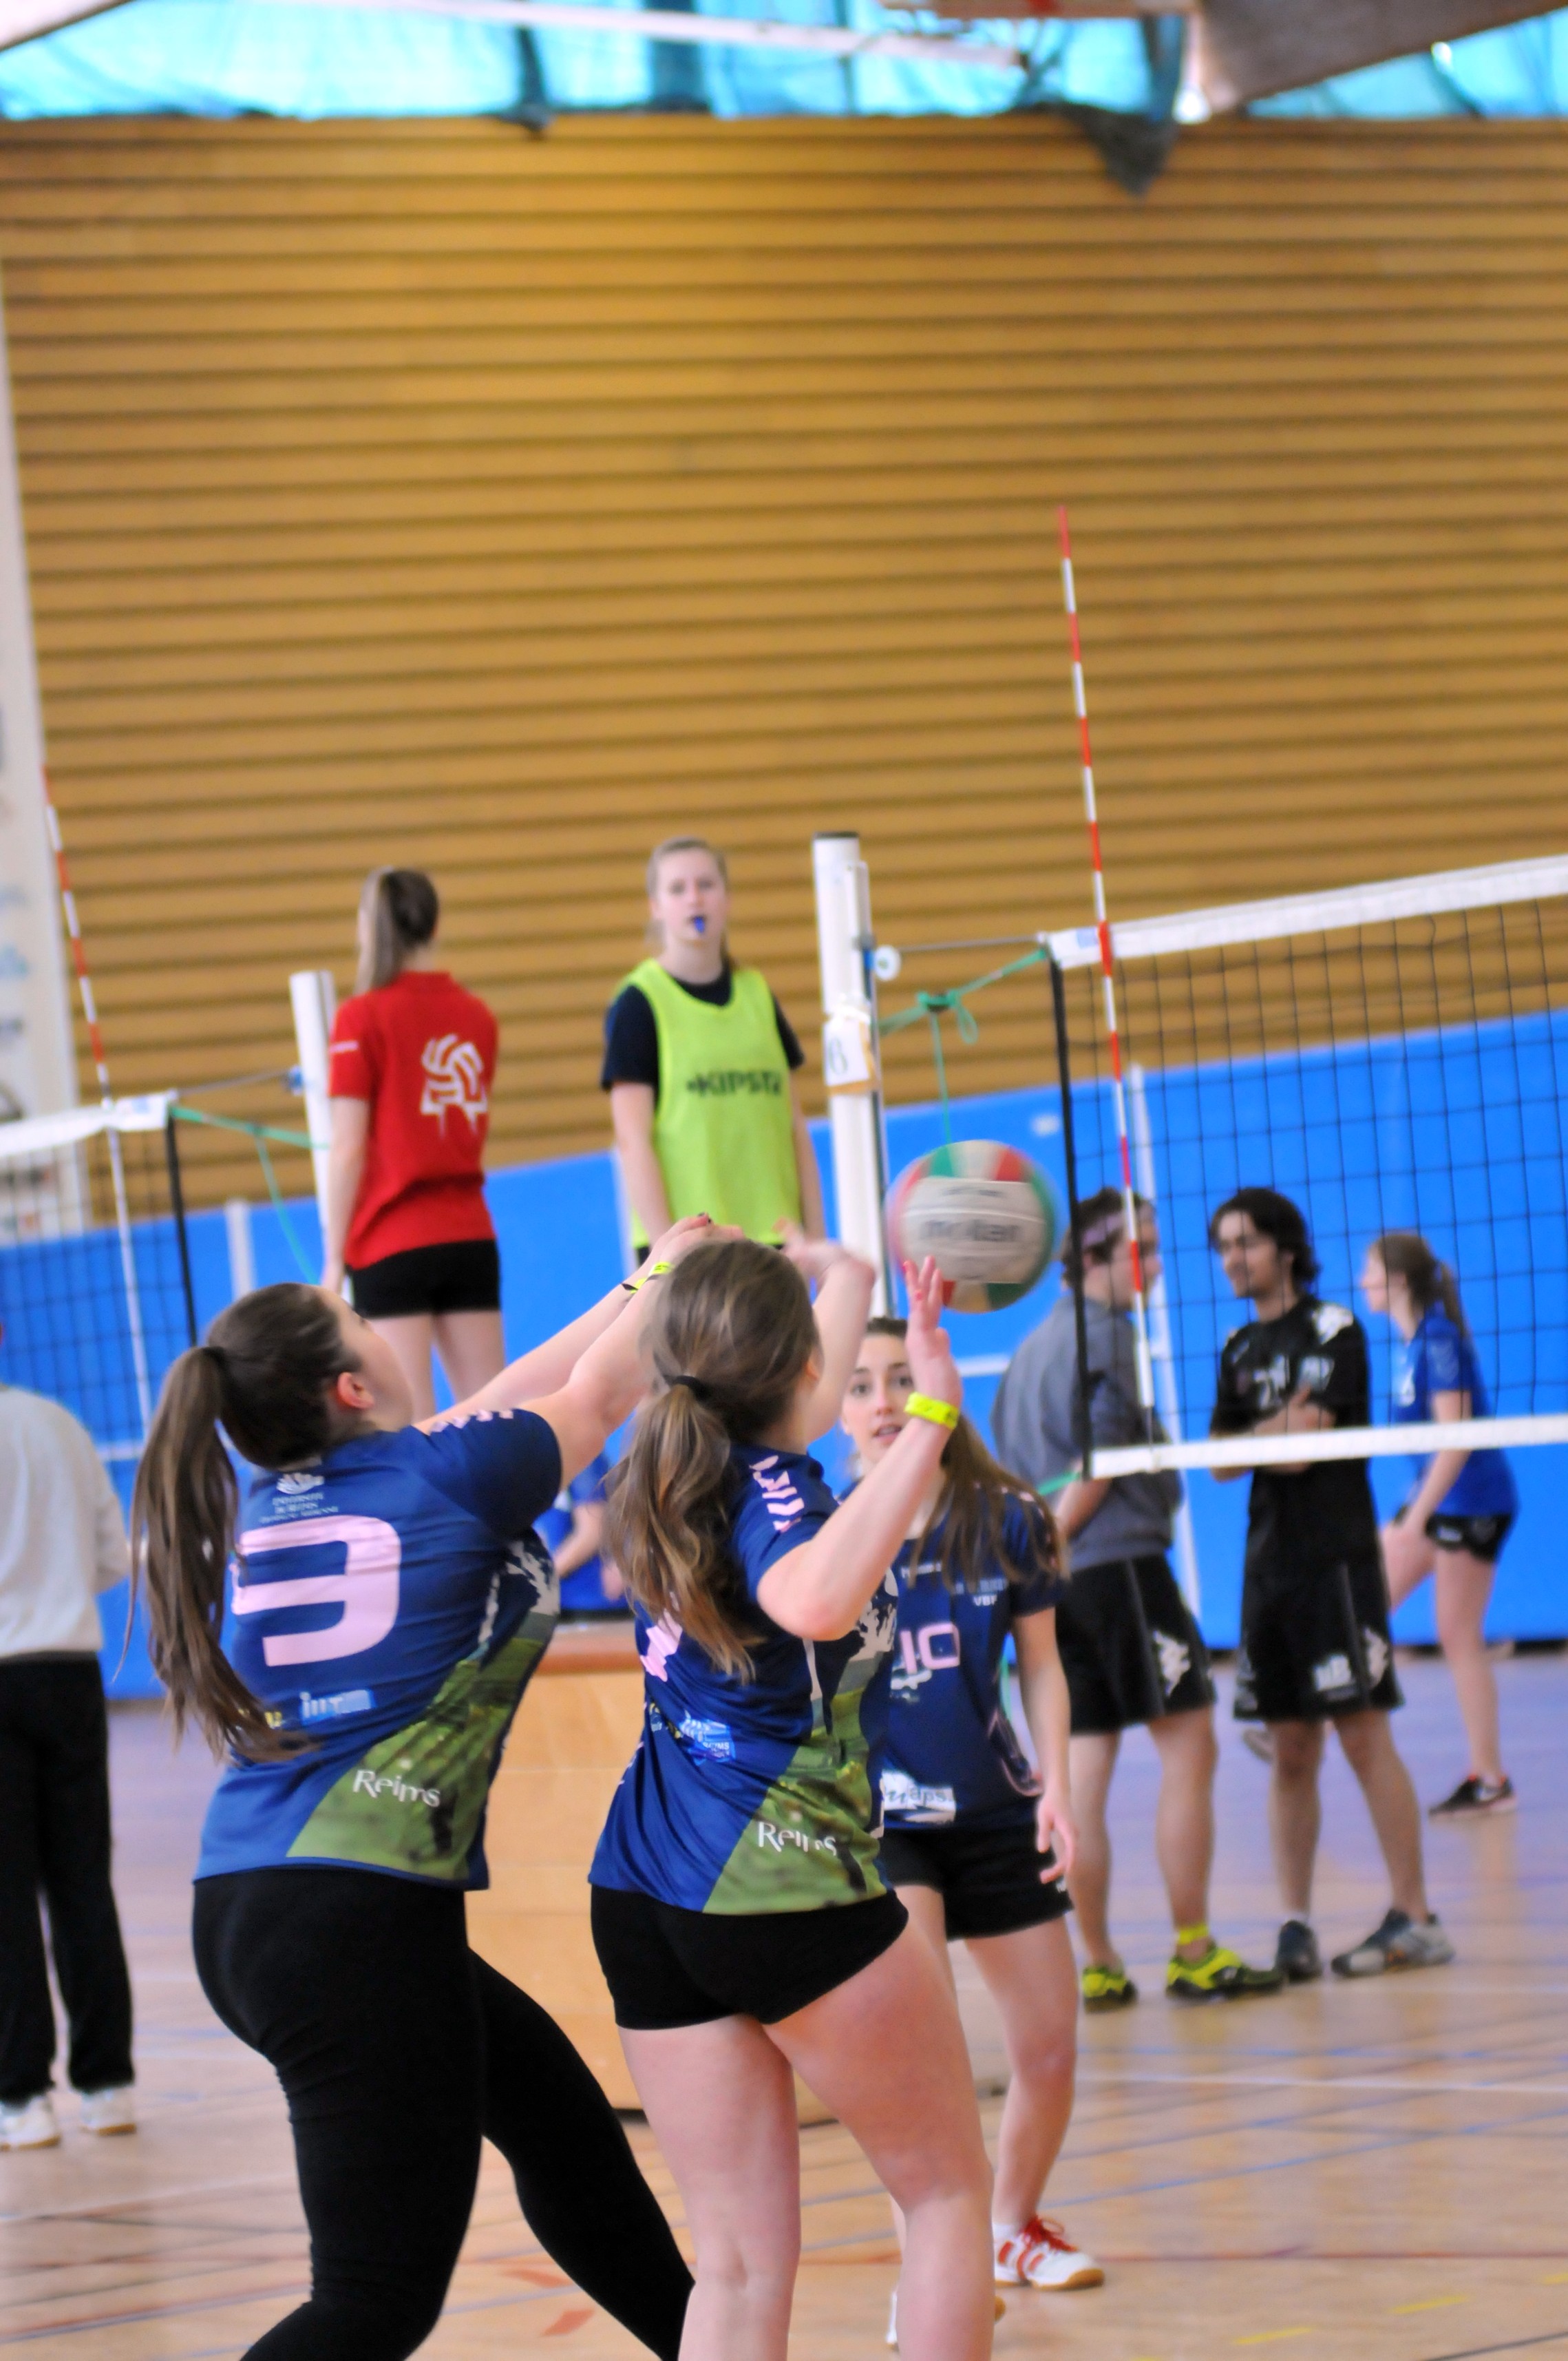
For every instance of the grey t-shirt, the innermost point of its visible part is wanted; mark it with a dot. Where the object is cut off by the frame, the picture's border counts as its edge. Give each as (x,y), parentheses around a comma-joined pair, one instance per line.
(1034,1421)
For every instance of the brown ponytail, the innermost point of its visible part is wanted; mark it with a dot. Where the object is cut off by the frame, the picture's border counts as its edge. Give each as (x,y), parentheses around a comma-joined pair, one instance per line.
(979,1491)
(731,1337)
(400,910)
(1405,1254)
(264,1374)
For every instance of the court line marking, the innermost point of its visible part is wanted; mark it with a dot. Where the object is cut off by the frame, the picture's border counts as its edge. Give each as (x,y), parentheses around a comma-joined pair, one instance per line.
(1428,2303)
(1398,2083)
(1272,2335)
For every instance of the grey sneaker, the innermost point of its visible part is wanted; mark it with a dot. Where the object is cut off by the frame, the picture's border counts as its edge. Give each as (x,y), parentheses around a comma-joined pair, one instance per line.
(1296,1955)
(1397,1943)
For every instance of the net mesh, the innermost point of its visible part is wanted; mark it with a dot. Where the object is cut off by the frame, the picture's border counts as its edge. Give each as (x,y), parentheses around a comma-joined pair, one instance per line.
(94,1282)
(1386,1071)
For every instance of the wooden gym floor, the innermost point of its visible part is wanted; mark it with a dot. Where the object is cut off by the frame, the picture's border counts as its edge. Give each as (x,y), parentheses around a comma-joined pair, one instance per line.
(1348,2171)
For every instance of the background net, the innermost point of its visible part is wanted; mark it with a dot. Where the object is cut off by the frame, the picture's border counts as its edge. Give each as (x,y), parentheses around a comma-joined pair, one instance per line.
(1387,1073)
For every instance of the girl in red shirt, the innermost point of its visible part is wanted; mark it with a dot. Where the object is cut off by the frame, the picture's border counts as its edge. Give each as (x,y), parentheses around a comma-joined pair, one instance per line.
(413,1059)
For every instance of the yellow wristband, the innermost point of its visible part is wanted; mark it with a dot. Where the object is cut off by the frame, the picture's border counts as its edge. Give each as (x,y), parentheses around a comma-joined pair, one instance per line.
(651,1271)
(940,1413)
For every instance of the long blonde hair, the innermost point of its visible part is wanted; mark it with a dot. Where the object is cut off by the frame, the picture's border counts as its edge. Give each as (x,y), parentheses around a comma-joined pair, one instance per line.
(730,1339)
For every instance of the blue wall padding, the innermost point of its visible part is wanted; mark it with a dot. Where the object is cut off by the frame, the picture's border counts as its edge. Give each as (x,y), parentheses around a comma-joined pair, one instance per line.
(561,1248)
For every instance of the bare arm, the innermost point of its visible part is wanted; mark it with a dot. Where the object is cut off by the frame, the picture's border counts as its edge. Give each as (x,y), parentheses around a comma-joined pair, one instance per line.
(604,1387)
(1042,1685)
(821,1590)
(631,1106)
(345,1170)
(812,1219)
(112,1556)
(583,1541)
(1447,1467)
(549,1366)
(1083,1499)
(844,1288)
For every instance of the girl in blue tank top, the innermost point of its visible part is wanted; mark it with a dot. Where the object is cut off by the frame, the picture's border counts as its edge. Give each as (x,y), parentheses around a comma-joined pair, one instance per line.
(390,1599)
(1455,1523)
(744,1927)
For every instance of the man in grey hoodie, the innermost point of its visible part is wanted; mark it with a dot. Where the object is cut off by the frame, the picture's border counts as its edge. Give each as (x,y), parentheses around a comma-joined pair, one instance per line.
(1130,1646)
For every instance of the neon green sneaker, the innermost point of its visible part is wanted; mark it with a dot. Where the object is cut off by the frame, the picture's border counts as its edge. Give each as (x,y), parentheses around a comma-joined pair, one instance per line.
(1104,1989)
(1219,1974)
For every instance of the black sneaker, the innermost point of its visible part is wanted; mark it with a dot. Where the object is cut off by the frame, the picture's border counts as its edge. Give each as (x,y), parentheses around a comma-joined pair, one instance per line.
(1475,1799)
(1296,1955)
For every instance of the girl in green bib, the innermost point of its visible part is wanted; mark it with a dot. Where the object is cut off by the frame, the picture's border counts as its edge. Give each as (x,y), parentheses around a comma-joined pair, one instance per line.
(700,1063)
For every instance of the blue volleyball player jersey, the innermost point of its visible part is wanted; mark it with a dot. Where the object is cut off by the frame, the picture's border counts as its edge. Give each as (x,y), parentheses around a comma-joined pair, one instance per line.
(388,1606)
(1441,1359)
(748,1795)
(952,1756)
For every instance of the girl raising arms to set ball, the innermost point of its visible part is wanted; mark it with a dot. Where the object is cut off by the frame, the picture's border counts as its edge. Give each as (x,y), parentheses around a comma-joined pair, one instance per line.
(390,1600)
(741,1920)
(976,1852)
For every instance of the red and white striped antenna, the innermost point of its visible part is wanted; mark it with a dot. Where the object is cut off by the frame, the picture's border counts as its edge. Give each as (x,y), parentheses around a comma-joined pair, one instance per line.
(1107,970)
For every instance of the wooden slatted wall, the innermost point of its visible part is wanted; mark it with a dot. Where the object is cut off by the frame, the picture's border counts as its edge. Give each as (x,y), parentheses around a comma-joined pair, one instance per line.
(440,493)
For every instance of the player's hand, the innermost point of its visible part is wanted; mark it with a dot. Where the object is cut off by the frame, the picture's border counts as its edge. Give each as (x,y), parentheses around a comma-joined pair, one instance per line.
(691,1230)
(812,1258)
(1404,1557)
(930,1354)
(1057,1831)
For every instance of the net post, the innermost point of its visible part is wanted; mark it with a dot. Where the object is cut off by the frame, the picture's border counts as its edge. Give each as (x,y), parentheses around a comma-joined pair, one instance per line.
(313,996)
(851,1065)
(177,1207)
(1070,1156)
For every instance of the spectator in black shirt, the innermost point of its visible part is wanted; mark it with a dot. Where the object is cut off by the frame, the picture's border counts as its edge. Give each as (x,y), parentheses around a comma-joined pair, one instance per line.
(1315,1645)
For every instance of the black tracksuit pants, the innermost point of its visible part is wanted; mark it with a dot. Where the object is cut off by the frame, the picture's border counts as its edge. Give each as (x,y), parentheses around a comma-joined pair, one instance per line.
(55,1844)
(398,2049)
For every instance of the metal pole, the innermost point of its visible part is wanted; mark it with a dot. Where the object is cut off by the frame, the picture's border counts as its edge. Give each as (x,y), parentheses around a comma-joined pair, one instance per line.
(850,1060)
(1166,1397)
(1075,1262)
(177,1204)
(314,998)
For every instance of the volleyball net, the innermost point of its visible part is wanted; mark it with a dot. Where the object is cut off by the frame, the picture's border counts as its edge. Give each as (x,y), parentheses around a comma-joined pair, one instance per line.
(1390,1057)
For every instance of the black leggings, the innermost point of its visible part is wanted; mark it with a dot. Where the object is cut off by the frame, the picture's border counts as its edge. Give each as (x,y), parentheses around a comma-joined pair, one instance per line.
(396,2048)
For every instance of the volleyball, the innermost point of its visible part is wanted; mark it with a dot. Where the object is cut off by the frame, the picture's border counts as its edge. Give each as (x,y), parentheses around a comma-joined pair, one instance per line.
(986,1215)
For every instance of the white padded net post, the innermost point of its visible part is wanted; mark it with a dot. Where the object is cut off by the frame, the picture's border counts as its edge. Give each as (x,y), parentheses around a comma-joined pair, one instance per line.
(1391,1056)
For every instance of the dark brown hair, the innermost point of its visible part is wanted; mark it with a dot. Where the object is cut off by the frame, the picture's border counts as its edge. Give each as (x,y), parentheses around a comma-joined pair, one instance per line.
(1405,1254)
(1096,1230)
(972,1509)
(401,909)
(731,1338)
(265,1374)
(1277,1217)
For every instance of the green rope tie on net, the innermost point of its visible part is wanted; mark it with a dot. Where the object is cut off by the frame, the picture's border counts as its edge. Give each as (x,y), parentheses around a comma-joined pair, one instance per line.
(261,1133)
(934,1005)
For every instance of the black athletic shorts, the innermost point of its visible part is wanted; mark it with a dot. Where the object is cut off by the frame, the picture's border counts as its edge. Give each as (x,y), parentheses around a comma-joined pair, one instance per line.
(990,1879)
(1315,1643)
(1129,1646)
(465,1276)
(1481,1536)
(667,1967)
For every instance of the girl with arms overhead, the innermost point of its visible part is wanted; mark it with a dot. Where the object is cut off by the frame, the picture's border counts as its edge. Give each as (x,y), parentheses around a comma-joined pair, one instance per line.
(976,1846)
(390,1602)
(741,1920)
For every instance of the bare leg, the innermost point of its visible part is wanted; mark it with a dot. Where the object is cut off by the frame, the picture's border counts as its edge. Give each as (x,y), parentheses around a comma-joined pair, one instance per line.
(1031,1978)
(1411,1575)
(720,2099)
(1092,1760)
(1184,1816)
(1295,1811)
(1369,1744)
(410,1336)
(1464,1589)
(472,1349)
(886,2052)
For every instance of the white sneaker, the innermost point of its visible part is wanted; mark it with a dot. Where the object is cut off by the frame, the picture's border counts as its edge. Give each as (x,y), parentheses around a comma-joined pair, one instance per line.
(29,2124)
(1041,2255)
(109,2112)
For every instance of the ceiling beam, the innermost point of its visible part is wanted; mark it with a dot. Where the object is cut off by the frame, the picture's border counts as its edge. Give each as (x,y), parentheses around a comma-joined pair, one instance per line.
(1244,49)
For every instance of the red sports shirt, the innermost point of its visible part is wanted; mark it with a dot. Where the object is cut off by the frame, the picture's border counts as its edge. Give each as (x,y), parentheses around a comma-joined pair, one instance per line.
(422,1051)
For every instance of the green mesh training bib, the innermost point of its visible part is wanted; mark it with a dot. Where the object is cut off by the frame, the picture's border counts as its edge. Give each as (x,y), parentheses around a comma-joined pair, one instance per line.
(723,1122)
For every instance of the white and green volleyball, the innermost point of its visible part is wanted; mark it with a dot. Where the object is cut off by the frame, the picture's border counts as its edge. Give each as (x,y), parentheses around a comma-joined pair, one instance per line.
(986,1215)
